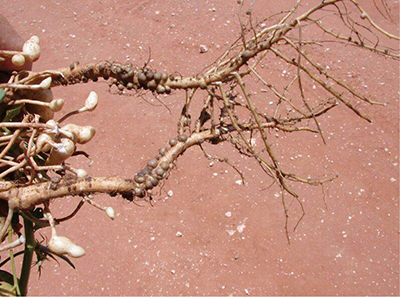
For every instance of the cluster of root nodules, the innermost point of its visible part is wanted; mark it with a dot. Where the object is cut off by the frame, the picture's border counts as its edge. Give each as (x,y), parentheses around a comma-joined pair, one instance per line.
(122,76)
(156,169)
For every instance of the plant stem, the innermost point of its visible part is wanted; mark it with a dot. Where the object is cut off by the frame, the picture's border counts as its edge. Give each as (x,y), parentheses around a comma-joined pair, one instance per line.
(14,270)
(28,254)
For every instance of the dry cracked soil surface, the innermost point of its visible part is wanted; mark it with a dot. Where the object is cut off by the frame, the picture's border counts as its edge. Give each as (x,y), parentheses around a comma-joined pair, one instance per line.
(207,234)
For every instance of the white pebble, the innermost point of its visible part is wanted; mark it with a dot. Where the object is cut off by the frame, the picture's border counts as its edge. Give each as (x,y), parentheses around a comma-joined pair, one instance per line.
(240,228)
(203,49)
(228,214)
(231,232)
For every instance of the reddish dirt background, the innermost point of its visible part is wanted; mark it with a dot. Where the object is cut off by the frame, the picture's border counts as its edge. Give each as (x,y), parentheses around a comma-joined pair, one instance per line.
(350,246)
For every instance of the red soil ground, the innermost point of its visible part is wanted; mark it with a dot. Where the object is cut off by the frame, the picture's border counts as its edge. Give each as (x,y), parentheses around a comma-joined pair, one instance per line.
(345,245)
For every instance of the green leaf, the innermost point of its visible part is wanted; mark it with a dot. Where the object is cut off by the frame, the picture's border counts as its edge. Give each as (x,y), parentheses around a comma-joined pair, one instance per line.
(2,95)
(12,113)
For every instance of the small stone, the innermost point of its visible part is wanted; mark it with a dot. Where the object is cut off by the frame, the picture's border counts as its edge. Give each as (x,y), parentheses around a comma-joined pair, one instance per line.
(203,49)
(228,214)
(170,193)
(178,234)
(230,232)
(240,228)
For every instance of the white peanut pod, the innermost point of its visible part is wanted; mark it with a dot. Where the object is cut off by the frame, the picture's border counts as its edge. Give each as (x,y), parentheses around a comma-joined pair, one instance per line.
(46,83)
(71,129)
(31,50)
(56,104)
(91,101)
(42,143)
(76,251)
(83,134)
(86,133)
(52,123)
(18,60)
(80,173)
(110,212)
(64,150)
(61,245)
(35,39)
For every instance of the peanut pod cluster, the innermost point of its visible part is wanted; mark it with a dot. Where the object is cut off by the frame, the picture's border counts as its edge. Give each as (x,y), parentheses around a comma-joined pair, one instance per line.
(35,146)
(30,52)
